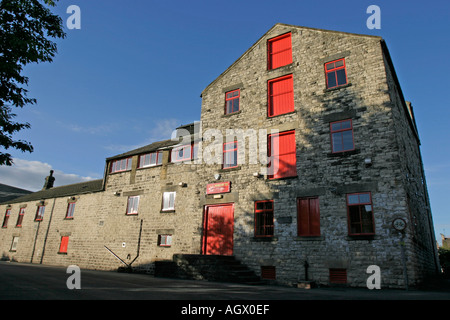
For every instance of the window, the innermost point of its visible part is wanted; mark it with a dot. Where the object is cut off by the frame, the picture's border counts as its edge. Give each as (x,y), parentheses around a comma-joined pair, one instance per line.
(14,244)
(360,214)
(168,201)
(342,136)
(133,204)
(282,155)
(336,74)
(20,218)
(264,218)
(63,244)
(232,101)
(279,51)
(281,96)
(184,153)
(6,218)
(164,240)
(308,217)
(39,213)
(230,154)
(70,210)
(150,159)
(121,165)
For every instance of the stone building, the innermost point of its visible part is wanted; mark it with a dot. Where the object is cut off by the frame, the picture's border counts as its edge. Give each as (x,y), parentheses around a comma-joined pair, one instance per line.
(305,165)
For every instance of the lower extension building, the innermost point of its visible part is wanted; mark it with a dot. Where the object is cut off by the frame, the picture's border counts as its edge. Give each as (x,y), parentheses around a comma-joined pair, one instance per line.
(305,165)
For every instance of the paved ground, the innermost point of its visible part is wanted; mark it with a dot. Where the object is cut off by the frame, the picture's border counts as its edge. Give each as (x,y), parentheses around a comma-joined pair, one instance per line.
(20,281)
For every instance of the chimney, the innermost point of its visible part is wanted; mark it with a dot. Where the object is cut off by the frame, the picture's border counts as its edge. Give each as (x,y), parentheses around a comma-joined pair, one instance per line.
(49,181)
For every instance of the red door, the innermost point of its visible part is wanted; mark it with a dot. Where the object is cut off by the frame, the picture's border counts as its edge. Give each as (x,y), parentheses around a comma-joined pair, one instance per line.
(219,226)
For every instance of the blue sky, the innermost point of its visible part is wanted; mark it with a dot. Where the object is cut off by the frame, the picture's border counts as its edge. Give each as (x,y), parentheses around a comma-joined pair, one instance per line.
(135,71)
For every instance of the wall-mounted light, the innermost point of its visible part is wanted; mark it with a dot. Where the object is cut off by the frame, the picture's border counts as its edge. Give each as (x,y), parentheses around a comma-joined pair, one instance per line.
(256,174)
(182,184)
(116,193)
(217,176)
(368,162)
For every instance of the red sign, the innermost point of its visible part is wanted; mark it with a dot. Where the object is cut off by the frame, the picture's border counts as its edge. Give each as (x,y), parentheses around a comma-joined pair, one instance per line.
(221,187)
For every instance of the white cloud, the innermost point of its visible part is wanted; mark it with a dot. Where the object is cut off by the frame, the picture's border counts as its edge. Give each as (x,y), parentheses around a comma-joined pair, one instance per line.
(30,175)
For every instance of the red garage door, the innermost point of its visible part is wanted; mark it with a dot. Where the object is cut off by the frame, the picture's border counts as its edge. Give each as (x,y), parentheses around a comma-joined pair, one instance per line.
(218,226)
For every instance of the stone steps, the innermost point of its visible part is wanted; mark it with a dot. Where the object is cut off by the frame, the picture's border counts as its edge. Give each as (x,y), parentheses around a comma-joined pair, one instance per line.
(206,267)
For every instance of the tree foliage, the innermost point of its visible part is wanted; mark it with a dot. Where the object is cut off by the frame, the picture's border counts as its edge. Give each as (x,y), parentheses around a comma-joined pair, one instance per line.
(27,28)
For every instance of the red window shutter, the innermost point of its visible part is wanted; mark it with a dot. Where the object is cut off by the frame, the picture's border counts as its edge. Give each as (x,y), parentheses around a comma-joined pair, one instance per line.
(282,152)
(63,245)
(280,51)
(281,95)
(308,217)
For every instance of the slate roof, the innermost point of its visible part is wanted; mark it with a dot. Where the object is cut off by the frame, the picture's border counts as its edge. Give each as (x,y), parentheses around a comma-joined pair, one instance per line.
(63,191)
(8,192)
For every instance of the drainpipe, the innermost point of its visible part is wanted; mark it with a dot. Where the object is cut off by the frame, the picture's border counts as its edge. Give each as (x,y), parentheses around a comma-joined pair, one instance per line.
(48,229)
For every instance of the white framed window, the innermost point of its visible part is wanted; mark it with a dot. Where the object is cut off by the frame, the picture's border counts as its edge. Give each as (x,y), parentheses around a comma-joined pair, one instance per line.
(14,244)
(164,240)
(70,210)
(133,204)
(168,202)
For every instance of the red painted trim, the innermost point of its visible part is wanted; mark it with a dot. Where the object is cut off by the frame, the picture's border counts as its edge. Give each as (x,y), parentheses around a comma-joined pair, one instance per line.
(225,151)
(360,204)
(341,130)
(231,99)
(270,95)
(334,70)
(270,53)
(261,211)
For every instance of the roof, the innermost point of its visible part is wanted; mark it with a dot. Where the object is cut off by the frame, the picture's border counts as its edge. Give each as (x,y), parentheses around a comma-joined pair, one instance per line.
(190,128)
(286,25)
(63,191)
(8,192)
(148,148)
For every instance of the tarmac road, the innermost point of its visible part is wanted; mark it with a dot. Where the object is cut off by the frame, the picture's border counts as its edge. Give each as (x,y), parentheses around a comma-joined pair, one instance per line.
(20,281)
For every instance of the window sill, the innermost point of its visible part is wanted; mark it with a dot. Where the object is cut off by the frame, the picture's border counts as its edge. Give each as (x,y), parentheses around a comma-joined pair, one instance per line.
(310,238)
(338,87)
(287,67)
(264,239)
(63,253)
(343,154)
(352,237)
(282,178)
(167,211)
(279,115)
(223,170)
(231,114)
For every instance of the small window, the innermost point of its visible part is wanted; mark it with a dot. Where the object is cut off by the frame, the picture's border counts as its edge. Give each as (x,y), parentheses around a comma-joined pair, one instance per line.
(279,51)
(168,201)
(264,218)
(63,245)
(308,217)
(121,165)
(39,213)
(280,95)
(6,218)
(14,244)
(336,74)
(282,155)
(230,154)
(165,240)
(150,159)
(70,210)
(133,204)
(360,214)
(184,153)
(20,218)
(232,101)
(342,136)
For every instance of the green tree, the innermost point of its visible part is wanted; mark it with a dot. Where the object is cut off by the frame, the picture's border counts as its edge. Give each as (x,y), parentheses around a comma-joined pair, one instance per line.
(27,28)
